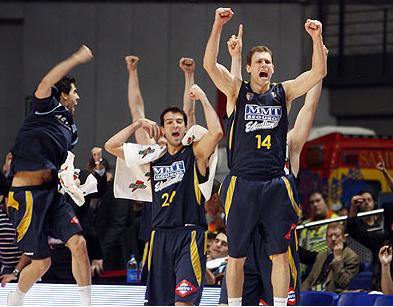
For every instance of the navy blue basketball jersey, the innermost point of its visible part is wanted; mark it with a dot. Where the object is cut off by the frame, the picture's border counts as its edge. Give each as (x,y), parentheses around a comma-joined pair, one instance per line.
(48,132)
(177,199)
(256,133)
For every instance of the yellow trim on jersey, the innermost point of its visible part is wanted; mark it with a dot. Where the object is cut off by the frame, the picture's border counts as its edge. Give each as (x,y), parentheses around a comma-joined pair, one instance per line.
(12,203)
(26,220)
(292,267)
(290,195)
(197,190)
(196,263)
(205,244)
(145,253)
(231,134)
(151,249)
(296,240)
(228,198)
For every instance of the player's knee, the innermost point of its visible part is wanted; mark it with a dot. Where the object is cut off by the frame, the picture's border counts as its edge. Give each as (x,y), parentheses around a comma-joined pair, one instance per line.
(280,259)
(77,245)
(42,265)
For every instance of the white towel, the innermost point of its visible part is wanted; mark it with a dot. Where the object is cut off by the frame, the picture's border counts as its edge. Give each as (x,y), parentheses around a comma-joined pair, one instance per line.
(132,177)
(68,175)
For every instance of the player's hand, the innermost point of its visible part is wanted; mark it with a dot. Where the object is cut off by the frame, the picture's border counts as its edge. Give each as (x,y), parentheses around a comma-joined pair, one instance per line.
(196,93)
(235,43)
(187,65)
(150,127)
(132,62)
(83,55)
(6,278)
(223,15)
(313,27)
(385,255)
(97,266)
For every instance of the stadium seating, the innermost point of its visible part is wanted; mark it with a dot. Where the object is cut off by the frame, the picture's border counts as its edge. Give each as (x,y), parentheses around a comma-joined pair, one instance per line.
(384,300)
(316,298)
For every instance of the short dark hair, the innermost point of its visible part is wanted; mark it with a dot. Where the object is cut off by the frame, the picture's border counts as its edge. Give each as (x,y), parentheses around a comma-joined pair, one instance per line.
(258,49)
(369,192)
(173,110)
(317,192)
(63,86)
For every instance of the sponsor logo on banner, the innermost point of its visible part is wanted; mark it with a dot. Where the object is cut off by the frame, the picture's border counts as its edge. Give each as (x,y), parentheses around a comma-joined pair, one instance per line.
(139,184)
(291,296)
(261,117)
(146,151)
(185,288)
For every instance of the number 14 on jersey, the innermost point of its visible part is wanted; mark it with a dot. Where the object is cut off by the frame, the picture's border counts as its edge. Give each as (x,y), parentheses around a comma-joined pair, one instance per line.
(266,142)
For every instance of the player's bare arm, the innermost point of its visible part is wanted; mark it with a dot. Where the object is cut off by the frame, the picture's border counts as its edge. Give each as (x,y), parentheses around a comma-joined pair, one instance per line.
(205,147)
(81,56)
(305,81)
(135,99)
(221,77)
(187,65)
(115,144)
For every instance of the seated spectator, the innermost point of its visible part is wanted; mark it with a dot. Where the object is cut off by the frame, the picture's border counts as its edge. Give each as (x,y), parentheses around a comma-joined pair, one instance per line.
(358,228)
(333,269)
(217,259)
(319,210)
(385,257)
(363,202)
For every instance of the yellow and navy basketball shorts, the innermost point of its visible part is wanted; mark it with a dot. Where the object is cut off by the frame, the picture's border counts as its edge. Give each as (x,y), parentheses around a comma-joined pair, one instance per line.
(39,211)
(177,266)
(269,205)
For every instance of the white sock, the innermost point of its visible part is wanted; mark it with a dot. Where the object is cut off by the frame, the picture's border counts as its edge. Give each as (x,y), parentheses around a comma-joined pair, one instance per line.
(235,301)
(85,293)
(16,298)
(280,301)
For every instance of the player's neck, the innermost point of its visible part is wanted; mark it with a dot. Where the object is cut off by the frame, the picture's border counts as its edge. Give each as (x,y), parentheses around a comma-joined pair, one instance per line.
(173,149)
(260,88)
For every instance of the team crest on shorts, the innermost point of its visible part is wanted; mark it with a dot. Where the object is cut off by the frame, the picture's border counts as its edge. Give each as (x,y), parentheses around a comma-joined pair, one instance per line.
(291,296)
(74,220)
(185,288)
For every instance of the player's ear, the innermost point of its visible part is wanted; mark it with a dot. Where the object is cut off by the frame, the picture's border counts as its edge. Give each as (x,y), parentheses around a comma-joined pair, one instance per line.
(248,68)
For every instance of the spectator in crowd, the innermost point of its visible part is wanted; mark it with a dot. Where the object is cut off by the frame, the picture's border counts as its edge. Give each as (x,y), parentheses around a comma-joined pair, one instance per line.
(214,211)
(364,201)
(385,257)
(217,259)
(319,210)
(333,269)
(358,230)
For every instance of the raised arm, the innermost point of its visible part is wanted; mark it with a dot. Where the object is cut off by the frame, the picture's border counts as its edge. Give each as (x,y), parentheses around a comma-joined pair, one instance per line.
(135,100)
(299,134)
(304,82)
(187,65)
(381,166)
(205,147)
(235,46)
(115,144)
(221,77)
(83,55)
